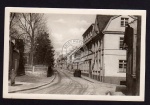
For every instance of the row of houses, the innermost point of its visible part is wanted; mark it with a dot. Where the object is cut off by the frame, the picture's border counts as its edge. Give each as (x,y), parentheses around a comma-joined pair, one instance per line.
(105,52)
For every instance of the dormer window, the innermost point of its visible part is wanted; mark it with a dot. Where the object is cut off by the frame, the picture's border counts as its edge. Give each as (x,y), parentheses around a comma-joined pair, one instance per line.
(124,21)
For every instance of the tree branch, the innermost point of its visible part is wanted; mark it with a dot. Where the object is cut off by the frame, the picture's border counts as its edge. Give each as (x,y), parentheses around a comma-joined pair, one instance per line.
(24,28)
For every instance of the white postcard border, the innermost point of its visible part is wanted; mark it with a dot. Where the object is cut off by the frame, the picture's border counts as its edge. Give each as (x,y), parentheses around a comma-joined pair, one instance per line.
(74,11)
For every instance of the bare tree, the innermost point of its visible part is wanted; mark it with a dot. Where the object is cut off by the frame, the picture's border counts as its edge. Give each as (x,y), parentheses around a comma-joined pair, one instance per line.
(12,16)
(13,26)
(12,32)
(30,24)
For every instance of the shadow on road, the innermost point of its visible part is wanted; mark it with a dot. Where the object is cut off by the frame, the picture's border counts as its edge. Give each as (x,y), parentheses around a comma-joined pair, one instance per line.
(16,84)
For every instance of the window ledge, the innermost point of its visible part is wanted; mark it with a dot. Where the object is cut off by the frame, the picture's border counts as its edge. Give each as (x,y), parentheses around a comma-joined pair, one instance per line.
(121,72)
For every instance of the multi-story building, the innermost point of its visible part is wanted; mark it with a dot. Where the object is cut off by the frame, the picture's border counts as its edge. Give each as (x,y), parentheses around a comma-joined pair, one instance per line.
(60,61)
(102,56)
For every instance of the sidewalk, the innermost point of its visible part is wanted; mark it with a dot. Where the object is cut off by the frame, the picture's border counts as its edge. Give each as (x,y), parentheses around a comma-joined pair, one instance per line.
(30,81)
(119,89)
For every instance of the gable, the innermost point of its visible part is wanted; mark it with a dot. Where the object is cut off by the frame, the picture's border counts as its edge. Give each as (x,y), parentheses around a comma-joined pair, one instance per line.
(114,23)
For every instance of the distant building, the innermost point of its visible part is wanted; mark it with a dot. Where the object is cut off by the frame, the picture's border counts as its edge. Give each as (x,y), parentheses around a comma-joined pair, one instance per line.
(60,61)
(70,59)
(132,42)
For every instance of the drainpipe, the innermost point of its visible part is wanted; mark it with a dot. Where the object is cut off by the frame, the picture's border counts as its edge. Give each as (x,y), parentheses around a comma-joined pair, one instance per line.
(134,56)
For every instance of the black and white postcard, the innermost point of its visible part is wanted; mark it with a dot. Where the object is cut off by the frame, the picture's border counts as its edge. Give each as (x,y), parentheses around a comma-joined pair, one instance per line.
(74,54)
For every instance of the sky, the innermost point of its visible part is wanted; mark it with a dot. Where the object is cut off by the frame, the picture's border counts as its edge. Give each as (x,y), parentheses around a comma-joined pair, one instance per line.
(65,27)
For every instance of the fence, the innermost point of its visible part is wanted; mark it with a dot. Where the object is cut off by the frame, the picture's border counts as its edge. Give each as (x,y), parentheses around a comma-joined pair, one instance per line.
(36,68)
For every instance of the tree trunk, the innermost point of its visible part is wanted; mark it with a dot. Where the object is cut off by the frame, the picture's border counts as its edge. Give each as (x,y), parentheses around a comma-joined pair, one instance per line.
(31,58)
(32,52)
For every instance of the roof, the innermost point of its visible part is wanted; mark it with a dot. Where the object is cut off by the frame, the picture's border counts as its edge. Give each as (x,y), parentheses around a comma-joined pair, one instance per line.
(102,21)
(89,28)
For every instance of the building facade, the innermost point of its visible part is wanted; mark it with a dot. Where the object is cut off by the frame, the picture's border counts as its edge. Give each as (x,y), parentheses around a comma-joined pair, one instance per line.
(114,56)
(102,56)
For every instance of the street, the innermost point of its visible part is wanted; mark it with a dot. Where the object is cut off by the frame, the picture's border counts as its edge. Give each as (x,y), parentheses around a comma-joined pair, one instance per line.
(65,83)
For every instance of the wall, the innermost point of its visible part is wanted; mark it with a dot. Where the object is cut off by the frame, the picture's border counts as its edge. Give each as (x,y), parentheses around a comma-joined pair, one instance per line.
(112,51)
(115,24)
(112,55)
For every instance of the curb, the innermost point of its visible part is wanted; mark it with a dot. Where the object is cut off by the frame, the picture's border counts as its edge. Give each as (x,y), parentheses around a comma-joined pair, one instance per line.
(81,76)
(33,87)
(93,80)
(86,79)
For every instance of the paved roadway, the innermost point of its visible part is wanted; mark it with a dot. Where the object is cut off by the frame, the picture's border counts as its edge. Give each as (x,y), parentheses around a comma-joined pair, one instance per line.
(65,83)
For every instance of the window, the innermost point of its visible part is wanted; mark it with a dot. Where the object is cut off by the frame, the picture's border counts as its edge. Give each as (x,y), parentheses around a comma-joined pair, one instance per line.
(122,66)
(90,33)
(121,43)
(124,22)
